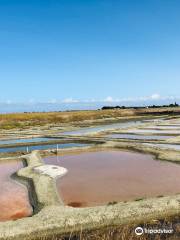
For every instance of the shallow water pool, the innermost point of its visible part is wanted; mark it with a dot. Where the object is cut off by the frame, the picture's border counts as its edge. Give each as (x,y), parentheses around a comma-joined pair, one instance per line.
(101,128)
(14,201)
(42,147)
(154,131)
(25,140)
(96,178)
(138,137)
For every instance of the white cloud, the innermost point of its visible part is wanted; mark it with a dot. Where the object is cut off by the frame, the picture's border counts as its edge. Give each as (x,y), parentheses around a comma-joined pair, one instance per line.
(108,99)
(52,101)
(31,101)
(155,96)
(70,100)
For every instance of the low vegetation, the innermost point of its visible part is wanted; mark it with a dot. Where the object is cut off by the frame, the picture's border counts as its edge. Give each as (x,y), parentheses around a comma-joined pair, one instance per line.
(126,232)
(25,120)
(10,121)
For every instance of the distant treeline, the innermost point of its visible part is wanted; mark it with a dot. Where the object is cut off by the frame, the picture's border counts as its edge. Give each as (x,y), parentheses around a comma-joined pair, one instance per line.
(172,105)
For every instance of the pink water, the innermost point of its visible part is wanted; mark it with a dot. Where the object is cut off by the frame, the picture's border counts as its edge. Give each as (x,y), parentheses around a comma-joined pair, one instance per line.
(14,202)
(96,178)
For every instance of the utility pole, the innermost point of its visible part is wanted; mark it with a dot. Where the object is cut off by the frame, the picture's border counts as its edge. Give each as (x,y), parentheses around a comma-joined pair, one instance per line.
(57,148)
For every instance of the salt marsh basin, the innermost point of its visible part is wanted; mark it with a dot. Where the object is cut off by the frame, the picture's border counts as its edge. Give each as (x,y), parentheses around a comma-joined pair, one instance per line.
(14,202)
(40,147)
(89,175)
(138,137)
(98,178)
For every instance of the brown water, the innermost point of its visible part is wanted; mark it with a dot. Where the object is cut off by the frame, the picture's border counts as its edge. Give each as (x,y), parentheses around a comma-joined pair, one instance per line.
(96,178)
(14,201)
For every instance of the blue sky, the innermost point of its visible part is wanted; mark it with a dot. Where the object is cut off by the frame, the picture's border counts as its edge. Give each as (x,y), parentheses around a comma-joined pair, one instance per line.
(79,51)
